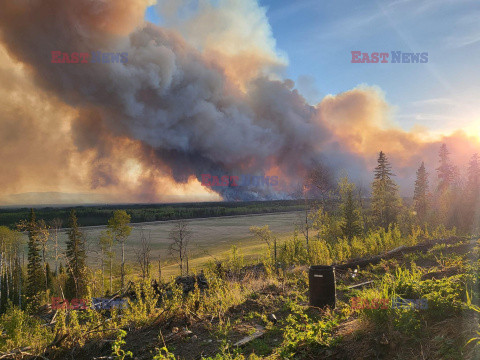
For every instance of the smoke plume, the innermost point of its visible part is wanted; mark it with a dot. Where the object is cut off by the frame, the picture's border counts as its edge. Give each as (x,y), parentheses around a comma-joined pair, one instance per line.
(204,93)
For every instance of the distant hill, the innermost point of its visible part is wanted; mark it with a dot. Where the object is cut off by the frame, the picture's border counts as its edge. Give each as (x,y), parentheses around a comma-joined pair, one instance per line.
(42,199)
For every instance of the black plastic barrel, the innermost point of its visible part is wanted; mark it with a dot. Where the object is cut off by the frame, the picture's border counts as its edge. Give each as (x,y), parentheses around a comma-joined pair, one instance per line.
(321,281)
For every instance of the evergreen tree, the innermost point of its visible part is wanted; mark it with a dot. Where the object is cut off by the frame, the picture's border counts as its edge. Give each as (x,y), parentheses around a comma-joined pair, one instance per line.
(76,284)
(351,222)
(386,202)
(35,274)
(473,196)
(473,184)
(420,201)
(449,203)
(4,294)
(446,171)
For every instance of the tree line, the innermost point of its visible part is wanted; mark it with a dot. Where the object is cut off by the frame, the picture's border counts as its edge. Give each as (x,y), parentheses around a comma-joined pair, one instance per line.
(452,203)
(99,215)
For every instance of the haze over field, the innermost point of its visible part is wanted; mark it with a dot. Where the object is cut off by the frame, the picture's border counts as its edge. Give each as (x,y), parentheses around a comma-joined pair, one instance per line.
(205,90)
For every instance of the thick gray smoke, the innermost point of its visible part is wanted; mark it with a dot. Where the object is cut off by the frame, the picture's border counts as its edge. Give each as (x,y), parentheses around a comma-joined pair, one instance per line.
(189,117)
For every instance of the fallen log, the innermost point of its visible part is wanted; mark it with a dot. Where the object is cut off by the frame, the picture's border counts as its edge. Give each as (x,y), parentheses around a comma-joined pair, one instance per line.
(401,250)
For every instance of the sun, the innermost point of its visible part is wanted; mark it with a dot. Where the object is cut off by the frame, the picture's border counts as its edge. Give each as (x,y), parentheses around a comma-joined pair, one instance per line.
(473,129)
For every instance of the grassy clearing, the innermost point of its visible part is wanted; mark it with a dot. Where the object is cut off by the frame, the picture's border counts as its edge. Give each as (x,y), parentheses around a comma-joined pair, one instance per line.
(213,238)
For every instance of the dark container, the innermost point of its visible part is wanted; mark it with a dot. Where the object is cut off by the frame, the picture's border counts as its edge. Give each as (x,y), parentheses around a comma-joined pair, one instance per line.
(321,282)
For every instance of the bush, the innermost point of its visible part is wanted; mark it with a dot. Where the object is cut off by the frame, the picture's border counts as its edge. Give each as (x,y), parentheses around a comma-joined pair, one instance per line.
(304,331)
(22,330)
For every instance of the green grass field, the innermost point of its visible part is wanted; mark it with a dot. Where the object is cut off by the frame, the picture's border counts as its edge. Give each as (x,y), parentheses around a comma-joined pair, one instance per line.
(212,239)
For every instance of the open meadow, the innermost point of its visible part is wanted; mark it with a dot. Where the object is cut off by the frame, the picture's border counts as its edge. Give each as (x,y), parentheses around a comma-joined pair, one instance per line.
(212,239)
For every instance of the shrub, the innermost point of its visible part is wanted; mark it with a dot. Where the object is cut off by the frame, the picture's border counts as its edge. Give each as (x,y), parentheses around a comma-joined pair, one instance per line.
(22,330)
(305,332)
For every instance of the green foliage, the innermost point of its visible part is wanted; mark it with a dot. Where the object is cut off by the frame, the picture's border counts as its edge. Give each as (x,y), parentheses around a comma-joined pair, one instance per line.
(219,297)
(140,311)
(420,194)
(117,351)
(351,225)
(263,234)
(227,355)
(386,202)
(304,331)
(319,253)
(164,354)
(235,259)
(119,228)
(35,274)
(76,284)
(341,250)
(99,215)
(20,330)
(446,171)
(475,339)
(118,225)
(327,226)
(294,252)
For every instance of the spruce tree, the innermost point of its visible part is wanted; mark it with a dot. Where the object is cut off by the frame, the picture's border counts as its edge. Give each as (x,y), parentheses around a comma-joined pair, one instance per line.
(35,274)
(473,196)
(420,201)
(351,222)
(76,284)
(4,294)
(473,184)
(386,202)
(445,171)
(449,195)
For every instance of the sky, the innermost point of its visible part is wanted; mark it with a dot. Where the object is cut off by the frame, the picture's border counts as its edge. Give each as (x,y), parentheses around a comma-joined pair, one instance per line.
(317,37)
(440,95)
(228,87)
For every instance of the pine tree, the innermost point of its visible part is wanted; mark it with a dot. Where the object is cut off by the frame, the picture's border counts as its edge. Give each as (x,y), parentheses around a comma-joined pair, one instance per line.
(76,284)
(446,171)
(35,274)
(386,202)
(420,200)
(351,222)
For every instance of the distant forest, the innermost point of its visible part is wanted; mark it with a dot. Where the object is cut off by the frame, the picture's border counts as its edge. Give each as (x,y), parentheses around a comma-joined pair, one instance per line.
(99,214)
